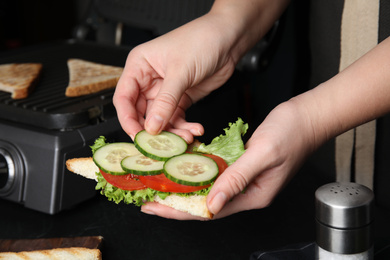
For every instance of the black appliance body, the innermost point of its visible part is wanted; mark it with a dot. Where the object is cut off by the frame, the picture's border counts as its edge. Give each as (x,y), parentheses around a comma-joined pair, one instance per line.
(38,134)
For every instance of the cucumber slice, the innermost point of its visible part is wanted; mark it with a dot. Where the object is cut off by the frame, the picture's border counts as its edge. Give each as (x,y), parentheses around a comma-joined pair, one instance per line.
(191,169)
(108,157)
(159,147)
(142,165)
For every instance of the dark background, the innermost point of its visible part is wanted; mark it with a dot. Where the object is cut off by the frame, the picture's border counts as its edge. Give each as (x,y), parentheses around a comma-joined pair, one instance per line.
(24,23)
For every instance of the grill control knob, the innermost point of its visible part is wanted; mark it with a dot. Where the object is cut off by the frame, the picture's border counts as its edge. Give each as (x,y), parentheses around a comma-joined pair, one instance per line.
(7,170)
(12,172)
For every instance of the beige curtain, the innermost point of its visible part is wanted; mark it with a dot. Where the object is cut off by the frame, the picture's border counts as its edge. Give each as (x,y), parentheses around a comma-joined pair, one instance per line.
(359,34)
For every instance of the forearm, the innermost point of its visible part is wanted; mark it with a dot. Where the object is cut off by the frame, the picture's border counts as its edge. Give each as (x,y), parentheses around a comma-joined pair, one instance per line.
(247,21)
(357,95)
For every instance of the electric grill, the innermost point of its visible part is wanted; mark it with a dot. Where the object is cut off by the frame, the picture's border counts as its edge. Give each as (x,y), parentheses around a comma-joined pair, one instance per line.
(38,134)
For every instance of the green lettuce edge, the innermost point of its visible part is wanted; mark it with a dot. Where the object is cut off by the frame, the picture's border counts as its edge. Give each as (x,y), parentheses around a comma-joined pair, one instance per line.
(228,146)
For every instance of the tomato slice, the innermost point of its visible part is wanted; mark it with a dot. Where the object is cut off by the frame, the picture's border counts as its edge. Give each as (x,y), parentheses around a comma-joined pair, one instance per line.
(124,182)
(162,183)
(222,165)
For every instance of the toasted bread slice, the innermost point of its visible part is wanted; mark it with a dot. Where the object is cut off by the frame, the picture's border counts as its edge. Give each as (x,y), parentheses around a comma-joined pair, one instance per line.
(194,205)
(19,78)
(71,253)
(87,77)
(83,166)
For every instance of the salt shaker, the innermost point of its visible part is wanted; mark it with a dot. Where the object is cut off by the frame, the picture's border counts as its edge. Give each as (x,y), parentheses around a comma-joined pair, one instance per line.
(344,216)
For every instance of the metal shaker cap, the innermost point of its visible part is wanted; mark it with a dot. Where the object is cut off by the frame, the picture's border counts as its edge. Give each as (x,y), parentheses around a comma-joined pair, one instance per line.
(344,205)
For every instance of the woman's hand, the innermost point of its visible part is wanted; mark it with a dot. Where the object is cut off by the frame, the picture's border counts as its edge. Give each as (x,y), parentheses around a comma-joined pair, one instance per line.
(165,76)
(273,154)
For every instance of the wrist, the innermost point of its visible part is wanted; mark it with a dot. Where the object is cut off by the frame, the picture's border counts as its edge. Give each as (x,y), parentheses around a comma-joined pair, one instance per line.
(246,22)
(315,126)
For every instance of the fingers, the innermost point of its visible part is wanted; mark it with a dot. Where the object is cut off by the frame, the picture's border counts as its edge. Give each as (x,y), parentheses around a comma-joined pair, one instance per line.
(236,180)
(178,122)
(129,98)
(186,130)
(259,194)
(128,106)
(185,134)
(229,184)
(131,105)
(164,104)
(154,208)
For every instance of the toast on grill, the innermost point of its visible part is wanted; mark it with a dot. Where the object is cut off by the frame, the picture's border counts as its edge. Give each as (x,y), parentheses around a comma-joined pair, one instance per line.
(194,205)
(87,77)
(71,253)
(19,79)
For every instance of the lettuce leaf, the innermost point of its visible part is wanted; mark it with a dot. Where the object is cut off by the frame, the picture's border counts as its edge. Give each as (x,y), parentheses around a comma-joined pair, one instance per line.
(229,146)
(117,195)
(101,141)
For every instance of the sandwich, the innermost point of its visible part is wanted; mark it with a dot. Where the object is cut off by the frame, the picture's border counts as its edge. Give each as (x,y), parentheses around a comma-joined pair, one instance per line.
(87,77)
(19,79)
(161,168)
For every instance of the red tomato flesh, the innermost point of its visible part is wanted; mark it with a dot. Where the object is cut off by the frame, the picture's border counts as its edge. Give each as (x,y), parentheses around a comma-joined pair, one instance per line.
(124,182)
(157,182)
(162,183)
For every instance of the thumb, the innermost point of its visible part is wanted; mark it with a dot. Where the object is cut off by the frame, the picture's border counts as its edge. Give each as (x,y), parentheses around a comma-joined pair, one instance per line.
(235,179)
(228,185)
(164,104)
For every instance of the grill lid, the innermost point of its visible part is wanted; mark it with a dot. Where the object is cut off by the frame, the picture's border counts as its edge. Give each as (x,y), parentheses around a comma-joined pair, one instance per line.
(47,106)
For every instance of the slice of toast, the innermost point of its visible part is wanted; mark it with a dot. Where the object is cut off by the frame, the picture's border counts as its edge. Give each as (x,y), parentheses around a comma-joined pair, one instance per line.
(19,78)
(87,77)
(83,166)
(194,205)
(71,253)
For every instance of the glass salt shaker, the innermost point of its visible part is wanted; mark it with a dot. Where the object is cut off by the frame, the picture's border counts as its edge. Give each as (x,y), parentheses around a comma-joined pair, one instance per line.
(344,216)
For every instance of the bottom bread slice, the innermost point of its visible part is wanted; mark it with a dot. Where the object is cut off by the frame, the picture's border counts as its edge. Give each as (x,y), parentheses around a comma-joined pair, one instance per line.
(195,204)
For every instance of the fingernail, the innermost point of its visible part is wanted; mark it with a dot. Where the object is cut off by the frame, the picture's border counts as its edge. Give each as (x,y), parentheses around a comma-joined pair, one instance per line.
(217,203)
(154,124)
(146,211)
(195,132)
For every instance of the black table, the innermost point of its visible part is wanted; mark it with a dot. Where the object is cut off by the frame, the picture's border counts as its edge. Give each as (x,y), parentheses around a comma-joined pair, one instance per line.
(130,234)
